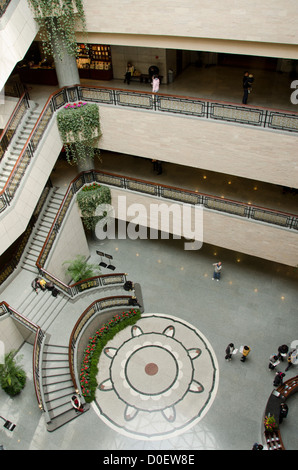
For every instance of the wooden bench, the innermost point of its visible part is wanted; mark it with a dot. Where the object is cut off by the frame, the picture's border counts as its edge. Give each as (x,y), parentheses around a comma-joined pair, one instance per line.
(278,396)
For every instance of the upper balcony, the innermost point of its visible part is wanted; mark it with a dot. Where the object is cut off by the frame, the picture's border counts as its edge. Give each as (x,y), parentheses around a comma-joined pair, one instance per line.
(174,129)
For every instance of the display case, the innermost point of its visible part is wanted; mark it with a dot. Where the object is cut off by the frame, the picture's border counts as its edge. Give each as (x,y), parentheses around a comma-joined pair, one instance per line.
(83,61)
(95,61)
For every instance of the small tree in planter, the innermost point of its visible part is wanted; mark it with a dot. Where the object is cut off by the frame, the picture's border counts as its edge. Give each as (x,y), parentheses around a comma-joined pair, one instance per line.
(79,128)
(12,376)
(79,269)
(88,199)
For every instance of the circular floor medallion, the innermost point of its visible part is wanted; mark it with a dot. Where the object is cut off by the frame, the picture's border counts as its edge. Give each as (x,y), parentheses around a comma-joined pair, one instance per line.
(156,379)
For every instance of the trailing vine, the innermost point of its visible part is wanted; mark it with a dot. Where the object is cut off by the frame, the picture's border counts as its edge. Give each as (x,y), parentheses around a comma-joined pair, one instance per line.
(58,21)
(88,199)
(79,128)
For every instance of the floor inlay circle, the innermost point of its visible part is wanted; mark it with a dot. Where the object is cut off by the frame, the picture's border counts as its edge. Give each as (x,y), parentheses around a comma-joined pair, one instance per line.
(156,379)
(151,368)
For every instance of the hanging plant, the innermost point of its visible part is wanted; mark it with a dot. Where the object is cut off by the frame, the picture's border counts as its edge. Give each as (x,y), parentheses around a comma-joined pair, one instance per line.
(58,21)
(89,198)
(79,128)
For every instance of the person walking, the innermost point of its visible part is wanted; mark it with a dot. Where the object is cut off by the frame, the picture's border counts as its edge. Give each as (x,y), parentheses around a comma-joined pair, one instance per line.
(229,351)
(155,84)
(283,412)
(278,380)
(247,82)
(217,270)
(129,72)
(245,352)
(291,357)
(273,361)
(282,352)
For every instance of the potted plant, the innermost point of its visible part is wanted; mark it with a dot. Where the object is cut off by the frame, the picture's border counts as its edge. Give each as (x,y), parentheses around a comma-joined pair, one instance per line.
(79,128)
(12,376)
(79,269)
(88,199)
(270,423)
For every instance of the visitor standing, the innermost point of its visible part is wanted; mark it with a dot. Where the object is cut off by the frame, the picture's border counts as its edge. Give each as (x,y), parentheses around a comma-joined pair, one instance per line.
(245,352)
(217,270)
(155,84)
(229,351)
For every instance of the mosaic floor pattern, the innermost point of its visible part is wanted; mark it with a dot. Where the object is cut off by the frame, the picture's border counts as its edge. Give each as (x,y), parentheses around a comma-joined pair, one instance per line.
(156,379)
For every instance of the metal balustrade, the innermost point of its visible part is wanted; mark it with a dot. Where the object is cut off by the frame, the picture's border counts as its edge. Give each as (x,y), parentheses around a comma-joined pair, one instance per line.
(198,108)
(13,123)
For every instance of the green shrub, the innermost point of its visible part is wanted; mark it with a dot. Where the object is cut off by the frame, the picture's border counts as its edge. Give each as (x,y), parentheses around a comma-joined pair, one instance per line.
(102,336)
(12,376)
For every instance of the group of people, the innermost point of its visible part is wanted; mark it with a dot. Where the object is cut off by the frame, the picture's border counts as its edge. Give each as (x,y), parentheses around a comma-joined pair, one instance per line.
(283,353)
(153,76)
(230,350)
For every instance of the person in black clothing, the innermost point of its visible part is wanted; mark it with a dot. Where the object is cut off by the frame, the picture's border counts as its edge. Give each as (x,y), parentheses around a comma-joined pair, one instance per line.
(282,351)
(229,351)
(278,380)
(247,82)
(283,412)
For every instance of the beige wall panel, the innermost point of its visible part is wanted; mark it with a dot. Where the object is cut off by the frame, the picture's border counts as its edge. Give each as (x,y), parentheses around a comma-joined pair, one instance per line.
(71,242)
(266,21)
(263,49)
(10,335)
(234,233)
(14,219)
(243,151)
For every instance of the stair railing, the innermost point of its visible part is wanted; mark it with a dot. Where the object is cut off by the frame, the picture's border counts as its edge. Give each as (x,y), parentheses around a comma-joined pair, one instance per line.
(89,313)
(34,329)
(13,123)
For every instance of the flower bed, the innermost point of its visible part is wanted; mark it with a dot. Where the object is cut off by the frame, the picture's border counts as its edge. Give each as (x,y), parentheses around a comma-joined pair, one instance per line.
(89,366)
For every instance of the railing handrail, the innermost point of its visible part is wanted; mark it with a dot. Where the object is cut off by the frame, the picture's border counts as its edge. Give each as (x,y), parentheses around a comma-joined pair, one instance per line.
(12,116)
(157,185)
(26,145)
(72,335)
(192,98)
(195,193)
(64,91)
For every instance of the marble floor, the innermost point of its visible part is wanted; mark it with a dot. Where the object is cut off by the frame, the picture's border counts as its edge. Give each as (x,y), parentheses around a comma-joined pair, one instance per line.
(270,89)
(254,303)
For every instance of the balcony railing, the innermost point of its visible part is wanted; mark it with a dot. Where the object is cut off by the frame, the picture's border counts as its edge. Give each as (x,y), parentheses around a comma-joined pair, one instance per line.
(170,193)
(206,109)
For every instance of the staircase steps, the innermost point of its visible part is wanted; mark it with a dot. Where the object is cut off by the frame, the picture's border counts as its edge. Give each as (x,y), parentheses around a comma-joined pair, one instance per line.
(41,231)
(58,387)
(17,144)
(42,308)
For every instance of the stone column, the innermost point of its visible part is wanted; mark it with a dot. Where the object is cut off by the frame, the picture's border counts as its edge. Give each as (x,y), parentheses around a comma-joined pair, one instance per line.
(66,67)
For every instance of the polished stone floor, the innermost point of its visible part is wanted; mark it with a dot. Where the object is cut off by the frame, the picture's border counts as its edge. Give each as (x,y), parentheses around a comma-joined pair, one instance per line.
(220,83)
(254,303)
